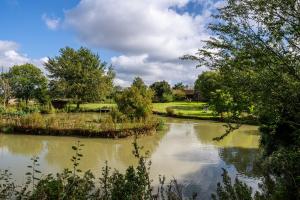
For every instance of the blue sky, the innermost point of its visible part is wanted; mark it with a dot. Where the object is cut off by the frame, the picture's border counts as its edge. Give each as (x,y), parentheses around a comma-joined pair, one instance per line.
(140,38)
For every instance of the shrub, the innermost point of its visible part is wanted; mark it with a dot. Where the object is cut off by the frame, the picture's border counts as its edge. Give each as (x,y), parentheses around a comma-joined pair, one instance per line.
(135,102)
(179,95)
(117,116)
(227,191)
(170,111)
(167,97)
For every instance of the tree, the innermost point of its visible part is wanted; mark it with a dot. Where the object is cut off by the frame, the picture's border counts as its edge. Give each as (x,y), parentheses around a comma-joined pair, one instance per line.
(135,101)
(139,83)
(5,89)
(179,86)
(221,102)
(179,95)
(208,82)
(80,75)
(162,91)
(256,49)
(28,82)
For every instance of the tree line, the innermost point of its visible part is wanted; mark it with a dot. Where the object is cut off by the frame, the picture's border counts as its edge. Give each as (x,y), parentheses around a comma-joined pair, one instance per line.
(78,75)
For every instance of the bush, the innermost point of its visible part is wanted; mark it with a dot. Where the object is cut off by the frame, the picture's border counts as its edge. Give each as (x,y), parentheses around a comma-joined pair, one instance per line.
(179,95)
(166,97)
(135,102)
(170,111)
(117,116)
(227,191)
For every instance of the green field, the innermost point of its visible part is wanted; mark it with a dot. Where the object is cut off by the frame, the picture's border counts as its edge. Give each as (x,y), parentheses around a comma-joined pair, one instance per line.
(185,109)
(93,106)
(181,109)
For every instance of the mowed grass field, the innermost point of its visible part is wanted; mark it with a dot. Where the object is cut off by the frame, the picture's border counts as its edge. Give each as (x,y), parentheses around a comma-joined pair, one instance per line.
(185,109)
(182,109)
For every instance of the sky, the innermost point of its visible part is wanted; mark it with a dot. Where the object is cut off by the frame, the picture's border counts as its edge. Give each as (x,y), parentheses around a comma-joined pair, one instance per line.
(142,38)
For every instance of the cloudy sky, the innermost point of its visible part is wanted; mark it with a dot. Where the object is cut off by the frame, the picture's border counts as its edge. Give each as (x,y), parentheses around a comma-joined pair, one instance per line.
(138,37)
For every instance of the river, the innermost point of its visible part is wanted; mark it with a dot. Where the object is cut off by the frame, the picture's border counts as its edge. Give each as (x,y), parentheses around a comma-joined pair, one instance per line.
(185,151)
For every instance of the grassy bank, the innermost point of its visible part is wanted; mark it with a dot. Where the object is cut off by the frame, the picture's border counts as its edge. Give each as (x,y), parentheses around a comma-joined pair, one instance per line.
(62,125)
(194,110)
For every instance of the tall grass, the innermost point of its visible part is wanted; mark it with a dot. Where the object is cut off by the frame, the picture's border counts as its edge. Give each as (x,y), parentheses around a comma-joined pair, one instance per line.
(37,123)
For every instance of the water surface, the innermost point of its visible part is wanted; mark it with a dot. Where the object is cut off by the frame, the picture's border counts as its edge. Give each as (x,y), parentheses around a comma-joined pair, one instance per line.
(185,151)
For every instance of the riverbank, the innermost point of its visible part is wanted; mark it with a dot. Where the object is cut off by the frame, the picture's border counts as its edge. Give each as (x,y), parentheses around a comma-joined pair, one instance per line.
(181,110)
(189,110)
(67,124)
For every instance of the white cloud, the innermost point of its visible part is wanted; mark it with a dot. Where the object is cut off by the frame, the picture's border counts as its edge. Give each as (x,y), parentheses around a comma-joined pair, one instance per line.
(149,34)
(10,55)
(51,22)
(129,67)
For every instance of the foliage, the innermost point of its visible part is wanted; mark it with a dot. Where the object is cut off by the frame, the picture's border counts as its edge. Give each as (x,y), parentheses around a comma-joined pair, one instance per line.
(80,75)
(227,191)
(134,184)
(179,86)
(5,89)
(135,101)
(179,95)
(221,102)
(170,111)
(63,124)
(207,83)
(28,82)
(166,97)
(256,50)
(162,91)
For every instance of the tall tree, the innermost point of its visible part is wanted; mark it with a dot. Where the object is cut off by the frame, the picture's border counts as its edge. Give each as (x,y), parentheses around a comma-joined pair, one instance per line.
(179,86)
(28,82)
(162,91)
(139,83)
(80,75)
(207,83)
(257,51)
(5,89)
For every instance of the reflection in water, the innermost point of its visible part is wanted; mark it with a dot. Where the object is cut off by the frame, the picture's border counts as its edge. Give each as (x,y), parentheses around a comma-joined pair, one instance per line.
(20,145)
(184,151)
(243,160)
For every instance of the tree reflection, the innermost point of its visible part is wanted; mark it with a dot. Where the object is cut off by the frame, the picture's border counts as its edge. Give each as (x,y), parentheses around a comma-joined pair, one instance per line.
(26,145)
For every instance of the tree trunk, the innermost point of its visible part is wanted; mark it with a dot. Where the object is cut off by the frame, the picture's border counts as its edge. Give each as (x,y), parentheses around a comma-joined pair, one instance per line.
(78,105)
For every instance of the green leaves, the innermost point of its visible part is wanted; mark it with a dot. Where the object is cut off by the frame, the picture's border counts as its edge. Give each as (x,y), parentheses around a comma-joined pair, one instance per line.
(136,101)
(28,82)
(256,50)
(80,75)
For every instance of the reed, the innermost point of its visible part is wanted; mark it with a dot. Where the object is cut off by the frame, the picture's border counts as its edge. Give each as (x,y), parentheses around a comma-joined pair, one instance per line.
(106,127)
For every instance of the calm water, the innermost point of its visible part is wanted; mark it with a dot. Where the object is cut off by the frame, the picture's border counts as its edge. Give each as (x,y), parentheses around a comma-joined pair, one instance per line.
(184,151)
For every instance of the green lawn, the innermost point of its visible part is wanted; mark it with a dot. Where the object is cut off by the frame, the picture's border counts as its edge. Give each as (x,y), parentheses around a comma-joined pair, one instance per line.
(93,106)
(182,109)
(188,109)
